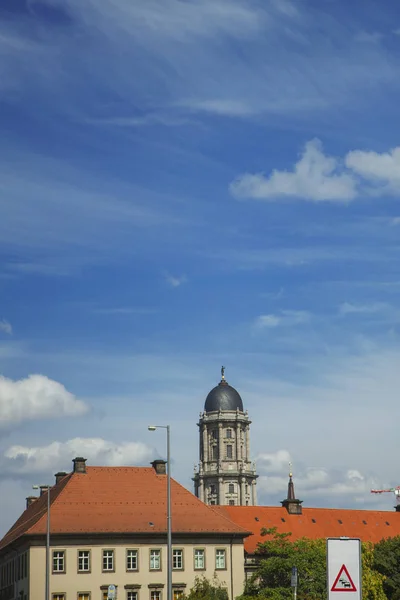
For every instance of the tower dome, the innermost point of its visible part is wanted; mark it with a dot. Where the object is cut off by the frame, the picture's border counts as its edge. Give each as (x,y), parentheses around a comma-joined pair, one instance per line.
(223,397)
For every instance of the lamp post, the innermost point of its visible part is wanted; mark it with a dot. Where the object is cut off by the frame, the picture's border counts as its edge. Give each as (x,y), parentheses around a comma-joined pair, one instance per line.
(47,588)
(169,523)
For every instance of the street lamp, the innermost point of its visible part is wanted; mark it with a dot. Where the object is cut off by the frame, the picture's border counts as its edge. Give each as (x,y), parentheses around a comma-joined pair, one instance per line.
(48,487)
(169,524)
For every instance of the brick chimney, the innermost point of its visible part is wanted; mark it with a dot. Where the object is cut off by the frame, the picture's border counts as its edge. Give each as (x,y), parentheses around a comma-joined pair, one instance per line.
(30,500)
(60,475)
(44,489)
(79,464)
(160,466)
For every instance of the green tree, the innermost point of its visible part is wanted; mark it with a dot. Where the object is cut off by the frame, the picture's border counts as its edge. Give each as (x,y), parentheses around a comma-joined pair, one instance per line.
(278,554)
(204,589)
(372,580)
(386,561)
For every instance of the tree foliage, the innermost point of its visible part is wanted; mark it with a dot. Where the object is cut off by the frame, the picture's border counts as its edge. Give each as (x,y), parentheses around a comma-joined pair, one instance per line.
(204,589)
(278,554)
(386,561)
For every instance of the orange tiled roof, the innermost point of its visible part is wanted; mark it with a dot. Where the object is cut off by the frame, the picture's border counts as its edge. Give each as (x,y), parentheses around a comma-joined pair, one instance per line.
(314,523)
(119,500)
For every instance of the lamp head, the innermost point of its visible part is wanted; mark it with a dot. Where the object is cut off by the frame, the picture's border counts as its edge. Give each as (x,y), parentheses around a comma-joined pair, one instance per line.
(151,428)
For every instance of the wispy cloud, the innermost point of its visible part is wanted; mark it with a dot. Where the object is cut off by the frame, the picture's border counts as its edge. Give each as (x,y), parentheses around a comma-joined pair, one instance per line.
(175,281)
(348,309)
(124,310)
(285,318)
(322,178)
(5,327)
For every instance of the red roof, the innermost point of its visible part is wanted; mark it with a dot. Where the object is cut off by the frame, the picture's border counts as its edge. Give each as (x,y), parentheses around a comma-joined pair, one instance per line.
(314,523)
(119,500)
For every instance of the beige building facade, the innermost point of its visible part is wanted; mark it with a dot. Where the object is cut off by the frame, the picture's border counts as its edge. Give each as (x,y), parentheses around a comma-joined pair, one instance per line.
(98,539)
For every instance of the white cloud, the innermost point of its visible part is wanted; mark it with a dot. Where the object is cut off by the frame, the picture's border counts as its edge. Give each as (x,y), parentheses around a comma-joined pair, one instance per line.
(369,37)
(347,485)
(317,177)
(347,308)
(36,397)
(314,177)
(381,169)
(6,327)
(174,281)
(222,106)
(395,221)
(21,460)
(284,318)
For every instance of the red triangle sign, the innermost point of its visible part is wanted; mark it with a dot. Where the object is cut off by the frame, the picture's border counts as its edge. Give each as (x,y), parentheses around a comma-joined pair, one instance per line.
(343,582)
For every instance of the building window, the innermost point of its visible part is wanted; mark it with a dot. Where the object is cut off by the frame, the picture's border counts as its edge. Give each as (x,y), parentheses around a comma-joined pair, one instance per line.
(231,503)
(231,488)
(108,560)
(177,594)
(177,559)
(229,451)
(83,596)
(83,561)
(58,561)
(155,560)
(214,452)
(131,595)
(220,559)
(155,595)
(229,434)
(213,489)
(199,559)
(214,434)
(58,596)
(131,560)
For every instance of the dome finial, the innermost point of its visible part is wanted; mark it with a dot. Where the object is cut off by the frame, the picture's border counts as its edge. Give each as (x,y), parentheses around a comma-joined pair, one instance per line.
(223,373)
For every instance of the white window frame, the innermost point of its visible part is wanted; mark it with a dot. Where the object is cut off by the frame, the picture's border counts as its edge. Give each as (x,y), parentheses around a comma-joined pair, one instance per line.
(130,553)
(199,552)
(177,558)
(58,560)
(220,559)
(107,555)
(155,555)
(83,558)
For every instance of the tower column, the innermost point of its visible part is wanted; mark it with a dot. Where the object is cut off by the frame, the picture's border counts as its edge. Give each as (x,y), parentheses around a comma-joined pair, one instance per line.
(254,493)
(205,443)
(243,491)
(220,443)
(247,442)
(238,441)
(221,498)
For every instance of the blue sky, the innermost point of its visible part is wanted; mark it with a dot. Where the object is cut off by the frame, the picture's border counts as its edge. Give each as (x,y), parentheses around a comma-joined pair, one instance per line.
(189,184)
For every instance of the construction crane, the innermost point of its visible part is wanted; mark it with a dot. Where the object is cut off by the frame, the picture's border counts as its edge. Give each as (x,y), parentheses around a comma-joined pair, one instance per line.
(394,490)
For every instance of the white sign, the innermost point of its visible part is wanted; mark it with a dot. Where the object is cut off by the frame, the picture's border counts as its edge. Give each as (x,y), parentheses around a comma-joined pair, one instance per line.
(111,594)
(344,568)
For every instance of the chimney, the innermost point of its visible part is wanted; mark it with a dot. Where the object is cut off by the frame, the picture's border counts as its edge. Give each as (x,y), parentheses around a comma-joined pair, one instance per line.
(160,466)
(60,475)
(79,464)
(291,503)
(44,489)
(30,500)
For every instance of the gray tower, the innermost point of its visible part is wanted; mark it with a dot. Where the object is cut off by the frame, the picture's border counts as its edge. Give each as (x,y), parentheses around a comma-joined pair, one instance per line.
(225,474)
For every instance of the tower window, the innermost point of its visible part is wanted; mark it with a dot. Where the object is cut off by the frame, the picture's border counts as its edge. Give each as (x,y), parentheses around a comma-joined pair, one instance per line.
(214,434)
(229,451)
(213,489)
(231,488)
(231,503)
(214,452)
(229,433)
